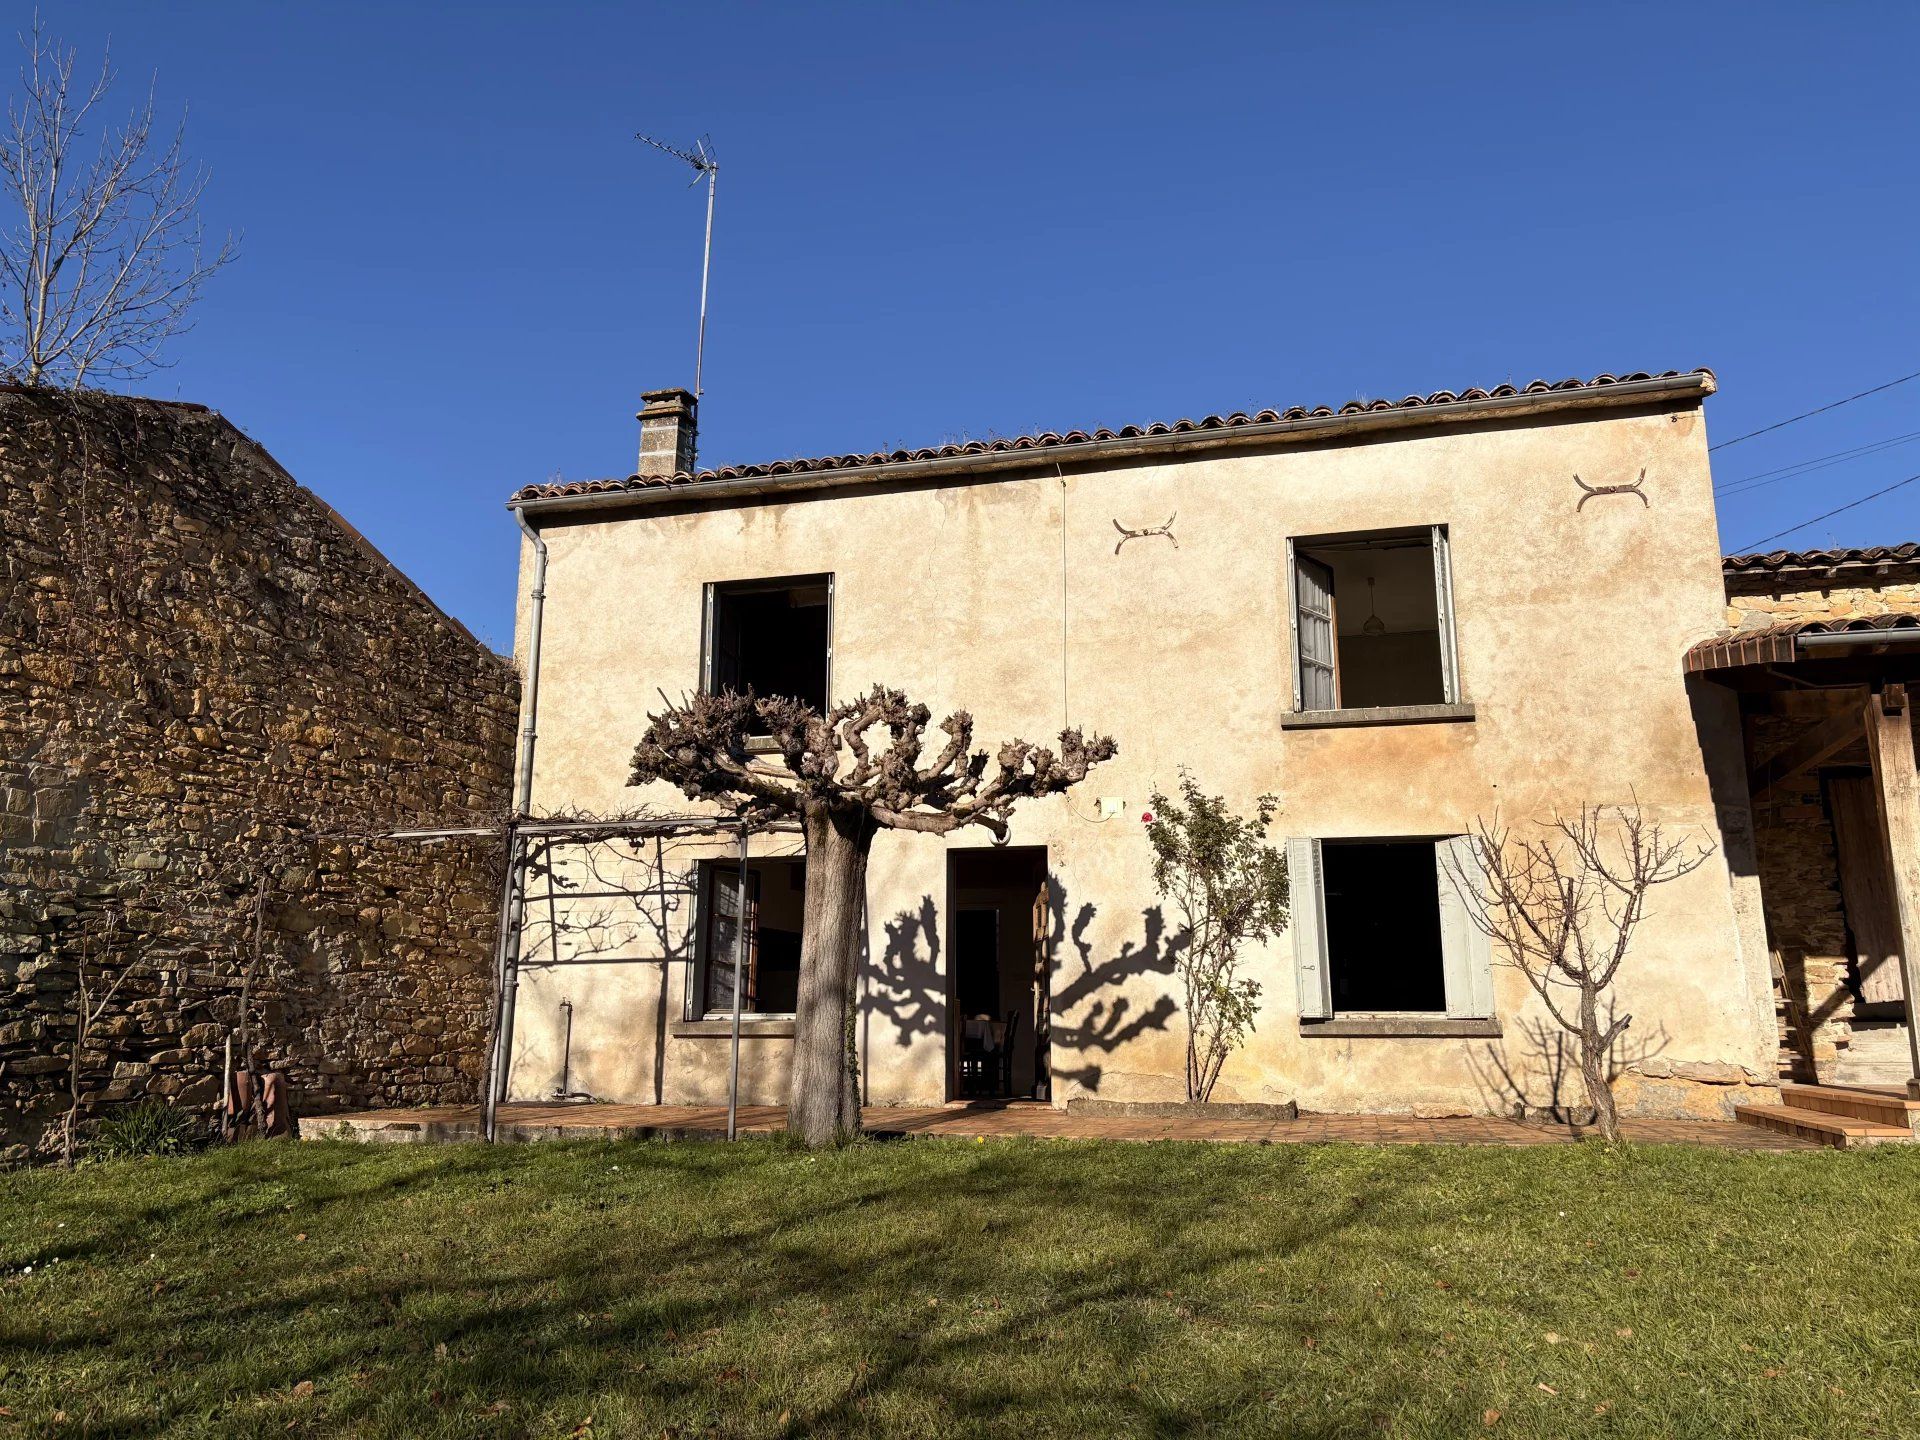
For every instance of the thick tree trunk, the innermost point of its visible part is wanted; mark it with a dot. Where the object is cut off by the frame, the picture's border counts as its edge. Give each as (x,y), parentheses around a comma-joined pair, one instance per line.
(822,1107)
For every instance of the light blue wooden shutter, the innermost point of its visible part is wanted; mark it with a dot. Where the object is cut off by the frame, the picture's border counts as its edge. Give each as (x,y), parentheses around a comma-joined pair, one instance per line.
(1307,920)
(1465,952)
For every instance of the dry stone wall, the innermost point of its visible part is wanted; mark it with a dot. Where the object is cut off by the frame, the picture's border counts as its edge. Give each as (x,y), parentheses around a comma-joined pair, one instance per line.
(213,693)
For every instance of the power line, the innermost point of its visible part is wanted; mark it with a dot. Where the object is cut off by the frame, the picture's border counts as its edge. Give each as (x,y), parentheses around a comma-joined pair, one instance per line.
(1821,410)
(1764,478)
(1850,505)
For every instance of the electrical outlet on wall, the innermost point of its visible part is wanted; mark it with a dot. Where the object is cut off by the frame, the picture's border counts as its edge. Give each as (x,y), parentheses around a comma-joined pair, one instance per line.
(1109,806)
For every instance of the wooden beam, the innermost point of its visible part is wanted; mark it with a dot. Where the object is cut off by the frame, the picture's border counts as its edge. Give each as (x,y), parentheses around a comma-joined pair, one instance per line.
(1821,743)
(1890,745)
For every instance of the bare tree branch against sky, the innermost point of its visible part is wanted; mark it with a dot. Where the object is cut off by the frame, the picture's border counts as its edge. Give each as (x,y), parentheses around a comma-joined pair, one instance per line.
(101,252)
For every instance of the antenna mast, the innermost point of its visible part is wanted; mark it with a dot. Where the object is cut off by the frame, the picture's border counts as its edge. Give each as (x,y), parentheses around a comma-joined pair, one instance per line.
(702,159)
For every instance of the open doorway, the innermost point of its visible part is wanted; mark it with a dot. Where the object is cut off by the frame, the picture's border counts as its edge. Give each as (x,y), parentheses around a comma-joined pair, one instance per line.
(997,1041)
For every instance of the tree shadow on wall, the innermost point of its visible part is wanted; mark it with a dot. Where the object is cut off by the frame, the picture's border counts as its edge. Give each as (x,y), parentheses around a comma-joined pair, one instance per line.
(1091,1013)
(1535,1075)
(906,988)
(1088,1012)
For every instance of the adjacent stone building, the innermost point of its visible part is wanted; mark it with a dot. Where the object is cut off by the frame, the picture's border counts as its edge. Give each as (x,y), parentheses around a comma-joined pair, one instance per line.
(214,695)
(1843,1015)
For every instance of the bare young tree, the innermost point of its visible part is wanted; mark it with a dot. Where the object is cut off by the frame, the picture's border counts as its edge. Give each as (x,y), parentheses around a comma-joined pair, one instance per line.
(702,746)
(89,1006)
(1564,905)
(104,255)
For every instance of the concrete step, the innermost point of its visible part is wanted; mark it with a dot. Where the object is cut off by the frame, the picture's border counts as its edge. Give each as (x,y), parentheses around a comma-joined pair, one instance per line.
(1881,1107)
(1839,1131)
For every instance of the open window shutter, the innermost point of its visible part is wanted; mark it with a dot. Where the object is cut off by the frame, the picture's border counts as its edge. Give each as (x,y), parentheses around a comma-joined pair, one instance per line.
(1308,922)
(827,688)
(1315,678)
(1443,608)
(706,642)
(1465,952)
(750,962)
(723,926)
(1293,623)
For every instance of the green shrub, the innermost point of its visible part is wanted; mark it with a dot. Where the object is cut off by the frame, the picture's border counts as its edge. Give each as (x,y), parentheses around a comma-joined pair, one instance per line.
(151,1127)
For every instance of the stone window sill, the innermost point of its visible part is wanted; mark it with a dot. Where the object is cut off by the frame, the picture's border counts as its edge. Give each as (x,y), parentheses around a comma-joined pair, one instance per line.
(752,1027)
(1385,1027)
(1376,715)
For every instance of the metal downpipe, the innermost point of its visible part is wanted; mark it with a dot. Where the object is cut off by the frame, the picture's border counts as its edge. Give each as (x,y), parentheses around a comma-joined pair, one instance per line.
(513,899)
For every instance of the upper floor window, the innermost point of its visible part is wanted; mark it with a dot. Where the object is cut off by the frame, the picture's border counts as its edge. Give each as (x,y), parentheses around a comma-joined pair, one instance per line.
(772,637)
(1372,620)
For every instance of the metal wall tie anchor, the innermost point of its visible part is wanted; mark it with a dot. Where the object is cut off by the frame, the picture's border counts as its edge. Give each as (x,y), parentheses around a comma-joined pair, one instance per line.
(1593,490)
(1166,530)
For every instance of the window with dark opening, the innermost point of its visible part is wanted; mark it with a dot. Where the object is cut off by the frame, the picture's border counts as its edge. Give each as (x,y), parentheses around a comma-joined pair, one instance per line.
(770,637)
(1372,620)
(1383,926)
(773,908)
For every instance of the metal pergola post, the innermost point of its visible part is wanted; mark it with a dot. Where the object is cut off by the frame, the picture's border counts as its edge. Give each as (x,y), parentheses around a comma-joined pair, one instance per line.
(739,971)
(509,924)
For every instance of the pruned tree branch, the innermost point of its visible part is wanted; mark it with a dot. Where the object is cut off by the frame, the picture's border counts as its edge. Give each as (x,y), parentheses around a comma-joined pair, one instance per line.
(863,756)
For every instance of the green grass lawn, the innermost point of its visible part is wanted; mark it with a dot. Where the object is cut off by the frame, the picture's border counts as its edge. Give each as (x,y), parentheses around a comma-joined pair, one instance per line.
(940,1288)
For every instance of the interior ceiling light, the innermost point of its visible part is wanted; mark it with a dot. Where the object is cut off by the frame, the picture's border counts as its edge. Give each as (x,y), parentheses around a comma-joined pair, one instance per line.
(1374,624)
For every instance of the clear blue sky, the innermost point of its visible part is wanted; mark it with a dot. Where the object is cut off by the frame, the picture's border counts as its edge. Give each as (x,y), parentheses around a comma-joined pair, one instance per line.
(459,269)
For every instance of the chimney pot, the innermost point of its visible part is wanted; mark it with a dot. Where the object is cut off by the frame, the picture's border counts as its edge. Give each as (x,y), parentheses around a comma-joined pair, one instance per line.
(666,433)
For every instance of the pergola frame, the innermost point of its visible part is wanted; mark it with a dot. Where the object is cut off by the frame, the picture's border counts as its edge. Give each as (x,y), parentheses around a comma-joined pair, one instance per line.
(525,838)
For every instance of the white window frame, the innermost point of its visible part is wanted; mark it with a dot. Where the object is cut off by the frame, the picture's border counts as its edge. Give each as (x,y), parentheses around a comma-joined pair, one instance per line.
(1438,538)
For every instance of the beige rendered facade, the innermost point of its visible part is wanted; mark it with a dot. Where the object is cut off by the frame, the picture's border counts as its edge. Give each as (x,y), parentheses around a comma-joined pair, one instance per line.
(1551,618)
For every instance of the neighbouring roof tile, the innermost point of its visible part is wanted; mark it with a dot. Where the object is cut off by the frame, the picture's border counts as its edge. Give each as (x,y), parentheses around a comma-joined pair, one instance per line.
(1763,562)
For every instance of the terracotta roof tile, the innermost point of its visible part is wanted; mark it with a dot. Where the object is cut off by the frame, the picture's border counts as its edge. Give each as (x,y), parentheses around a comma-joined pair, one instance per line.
(1050,439)
(1774,644)
(1761,563)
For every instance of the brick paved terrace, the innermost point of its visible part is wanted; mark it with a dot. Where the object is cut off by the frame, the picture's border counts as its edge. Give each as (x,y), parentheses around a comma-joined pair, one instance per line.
(640,1122)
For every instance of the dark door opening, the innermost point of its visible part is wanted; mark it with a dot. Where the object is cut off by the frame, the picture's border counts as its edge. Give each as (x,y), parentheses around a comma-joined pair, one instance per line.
(997,991)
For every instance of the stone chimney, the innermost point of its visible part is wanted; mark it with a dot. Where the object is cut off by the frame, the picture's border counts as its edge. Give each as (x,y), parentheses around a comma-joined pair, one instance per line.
(666,433)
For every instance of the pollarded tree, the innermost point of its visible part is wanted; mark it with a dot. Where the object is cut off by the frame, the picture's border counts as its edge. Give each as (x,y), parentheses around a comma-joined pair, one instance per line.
(845,784)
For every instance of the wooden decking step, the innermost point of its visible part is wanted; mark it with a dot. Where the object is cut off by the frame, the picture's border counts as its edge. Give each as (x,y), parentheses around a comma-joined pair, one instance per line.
(1840,1131)
(1882,1107)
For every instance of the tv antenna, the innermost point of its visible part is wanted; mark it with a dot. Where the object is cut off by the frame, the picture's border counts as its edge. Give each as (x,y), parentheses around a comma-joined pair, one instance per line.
(704,164)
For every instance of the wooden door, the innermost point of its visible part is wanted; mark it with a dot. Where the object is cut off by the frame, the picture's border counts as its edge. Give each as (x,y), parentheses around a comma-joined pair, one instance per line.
(1866,886)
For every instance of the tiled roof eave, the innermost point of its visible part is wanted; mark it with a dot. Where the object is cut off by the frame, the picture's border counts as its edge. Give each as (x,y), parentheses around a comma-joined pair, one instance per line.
(1212,432)
(1780,644)
(1773,563)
